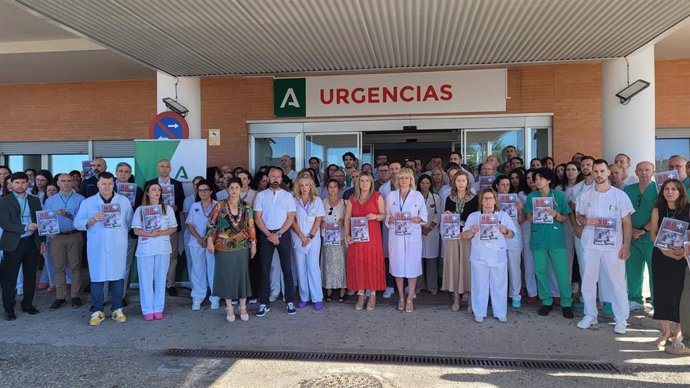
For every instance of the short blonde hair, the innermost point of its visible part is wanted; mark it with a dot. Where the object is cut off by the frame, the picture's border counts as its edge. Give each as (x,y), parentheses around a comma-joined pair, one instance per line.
(406,171)
(312,187)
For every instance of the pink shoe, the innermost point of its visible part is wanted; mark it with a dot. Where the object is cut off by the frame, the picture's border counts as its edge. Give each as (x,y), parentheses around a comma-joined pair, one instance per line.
(148,317)
(158,316)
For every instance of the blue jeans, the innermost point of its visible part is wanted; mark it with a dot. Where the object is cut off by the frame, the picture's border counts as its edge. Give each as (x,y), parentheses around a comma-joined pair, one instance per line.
(117,288)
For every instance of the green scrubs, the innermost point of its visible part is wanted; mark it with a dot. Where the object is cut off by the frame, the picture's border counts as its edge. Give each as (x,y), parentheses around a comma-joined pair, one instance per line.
(548,244)
(641,248)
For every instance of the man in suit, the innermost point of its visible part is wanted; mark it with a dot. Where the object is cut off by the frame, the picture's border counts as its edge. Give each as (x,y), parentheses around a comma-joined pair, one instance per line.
(88,186)
(21,244)
(173,196)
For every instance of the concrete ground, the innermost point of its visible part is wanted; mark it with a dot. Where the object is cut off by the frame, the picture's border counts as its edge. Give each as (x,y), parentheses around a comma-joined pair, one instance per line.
(59,348)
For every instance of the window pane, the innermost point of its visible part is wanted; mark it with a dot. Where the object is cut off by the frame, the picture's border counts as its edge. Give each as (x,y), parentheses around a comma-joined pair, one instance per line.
(16,163)
(66,163)
(330,148)
(481,144)
(268,150)
(665,148)
(539,137)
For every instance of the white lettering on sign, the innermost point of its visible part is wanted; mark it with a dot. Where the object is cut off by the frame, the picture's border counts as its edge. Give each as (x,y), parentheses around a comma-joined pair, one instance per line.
(406,93)
(290,95)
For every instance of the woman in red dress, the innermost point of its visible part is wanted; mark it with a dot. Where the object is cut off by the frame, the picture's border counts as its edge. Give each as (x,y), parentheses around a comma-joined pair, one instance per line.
(365,268)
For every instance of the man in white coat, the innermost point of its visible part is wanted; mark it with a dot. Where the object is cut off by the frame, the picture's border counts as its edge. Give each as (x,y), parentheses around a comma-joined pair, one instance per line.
(605,212)
(106,218)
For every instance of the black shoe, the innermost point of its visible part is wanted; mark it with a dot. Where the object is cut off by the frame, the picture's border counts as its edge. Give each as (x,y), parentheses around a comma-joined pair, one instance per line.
(57,304)
(568,312)
(124,302)
(172,291)
(10,316)
(76,302)
(545,310)
(31,310)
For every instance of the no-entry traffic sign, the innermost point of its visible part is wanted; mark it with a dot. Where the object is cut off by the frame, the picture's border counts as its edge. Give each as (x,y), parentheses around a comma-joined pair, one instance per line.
(168,125)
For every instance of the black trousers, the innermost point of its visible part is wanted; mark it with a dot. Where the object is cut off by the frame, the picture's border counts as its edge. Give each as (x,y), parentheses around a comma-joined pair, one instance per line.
(25,255)
(266,249)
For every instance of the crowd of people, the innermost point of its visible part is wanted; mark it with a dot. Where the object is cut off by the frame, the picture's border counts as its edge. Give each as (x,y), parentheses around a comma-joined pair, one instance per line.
(577,235)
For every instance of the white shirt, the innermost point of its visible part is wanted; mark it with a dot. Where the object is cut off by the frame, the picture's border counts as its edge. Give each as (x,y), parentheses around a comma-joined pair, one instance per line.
(613,204)
(305,216)
(198,219)
(490,252)
(274,207)
(578,189)
(151,246)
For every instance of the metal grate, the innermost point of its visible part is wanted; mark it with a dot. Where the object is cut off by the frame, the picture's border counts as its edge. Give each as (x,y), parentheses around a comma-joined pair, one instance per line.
(396,359)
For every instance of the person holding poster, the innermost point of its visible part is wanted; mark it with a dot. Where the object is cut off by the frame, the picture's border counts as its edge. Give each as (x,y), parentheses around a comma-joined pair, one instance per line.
(66,246)
(106,247)
(173,196)
(510,204)
(405,212)
(605,212)
(456,253)
(365,267)
(489,229)
(333,251)
(548,244)
(669,265)
(125,186)
(431,237)
(153,222)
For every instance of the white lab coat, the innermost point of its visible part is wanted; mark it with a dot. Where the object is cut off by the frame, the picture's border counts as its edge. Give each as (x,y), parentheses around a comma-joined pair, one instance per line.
(106,247)
(406,251)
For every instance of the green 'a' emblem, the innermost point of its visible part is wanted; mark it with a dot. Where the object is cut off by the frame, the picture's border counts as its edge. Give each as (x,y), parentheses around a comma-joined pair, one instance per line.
(289,97)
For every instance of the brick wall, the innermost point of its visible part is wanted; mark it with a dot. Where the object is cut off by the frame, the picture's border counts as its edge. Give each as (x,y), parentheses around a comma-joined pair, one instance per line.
(77,111)
(672,93)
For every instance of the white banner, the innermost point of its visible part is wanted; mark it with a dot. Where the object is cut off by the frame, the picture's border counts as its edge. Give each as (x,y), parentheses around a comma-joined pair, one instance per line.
(407,93)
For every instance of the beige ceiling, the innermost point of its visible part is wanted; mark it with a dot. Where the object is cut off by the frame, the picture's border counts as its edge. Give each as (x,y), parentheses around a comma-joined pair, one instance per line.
(235,37)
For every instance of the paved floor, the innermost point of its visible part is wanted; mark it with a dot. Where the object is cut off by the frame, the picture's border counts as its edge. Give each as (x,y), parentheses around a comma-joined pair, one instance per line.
(59,348)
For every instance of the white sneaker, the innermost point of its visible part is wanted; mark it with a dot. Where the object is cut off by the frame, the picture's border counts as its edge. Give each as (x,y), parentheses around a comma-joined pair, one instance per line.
(215,304)
(502,319)
(650,313)
(478,319)
(196,306)
(587,322)
(620,327)
(635,306)
(388,293)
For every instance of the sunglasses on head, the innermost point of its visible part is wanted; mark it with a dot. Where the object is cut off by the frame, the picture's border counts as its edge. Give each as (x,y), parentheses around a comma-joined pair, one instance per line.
(330,211)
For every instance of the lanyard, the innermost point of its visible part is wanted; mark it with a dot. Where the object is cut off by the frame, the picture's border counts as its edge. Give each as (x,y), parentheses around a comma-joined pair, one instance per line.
(65,201)
(307,207)
(402,202)
(23,205)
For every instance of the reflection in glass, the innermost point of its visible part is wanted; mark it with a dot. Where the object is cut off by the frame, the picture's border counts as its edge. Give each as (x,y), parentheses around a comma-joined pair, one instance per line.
(665,148)
(481,144)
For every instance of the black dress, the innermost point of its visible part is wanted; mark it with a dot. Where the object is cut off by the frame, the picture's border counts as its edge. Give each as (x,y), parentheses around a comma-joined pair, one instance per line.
(669,277)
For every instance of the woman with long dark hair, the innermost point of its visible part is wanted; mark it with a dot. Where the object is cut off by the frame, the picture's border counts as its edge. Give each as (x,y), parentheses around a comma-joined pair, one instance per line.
(669,265)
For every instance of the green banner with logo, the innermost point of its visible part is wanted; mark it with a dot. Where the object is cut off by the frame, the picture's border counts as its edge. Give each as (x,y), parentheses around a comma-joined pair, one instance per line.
(289,97)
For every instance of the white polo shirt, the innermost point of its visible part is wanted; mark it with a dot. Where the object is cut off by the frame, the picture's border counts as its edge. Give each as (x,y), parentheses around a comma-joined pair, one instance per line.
(274,207)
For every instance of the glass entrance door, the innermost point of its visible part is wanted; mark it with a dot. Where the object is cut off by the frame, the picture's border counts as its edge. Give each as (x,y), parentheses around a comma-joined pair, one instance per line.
(266,150)
(480,143)
(329,148)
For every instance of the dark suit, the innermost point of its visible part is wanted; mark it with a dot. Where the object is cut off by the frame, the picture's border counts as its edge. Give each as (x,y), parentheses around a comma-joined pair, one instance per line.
(18,251)
(88,187)
(175,237)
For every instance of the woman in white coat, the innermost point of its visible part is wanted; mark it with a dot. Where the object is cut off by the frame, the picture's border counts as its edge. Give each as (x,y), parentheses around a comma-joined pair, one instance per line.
(153,250)
(306,241)
(405,212)
(514,245)
(489,229)
(431,238)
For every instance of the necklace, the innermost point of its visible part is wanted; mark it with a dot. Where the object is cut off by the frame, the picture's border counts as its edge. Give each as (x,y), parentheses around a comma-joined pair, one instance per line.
(234,218)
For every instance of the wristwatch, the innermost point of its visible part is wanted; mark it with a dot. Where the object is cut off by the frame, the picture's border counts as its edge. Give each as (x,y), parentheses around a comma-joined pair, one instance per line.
(279,234)
(311,236)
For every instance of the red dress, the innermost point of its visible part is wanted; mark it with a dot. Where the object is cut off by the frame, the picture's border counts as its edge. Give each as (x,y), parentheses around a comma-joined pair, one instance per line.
(365,267)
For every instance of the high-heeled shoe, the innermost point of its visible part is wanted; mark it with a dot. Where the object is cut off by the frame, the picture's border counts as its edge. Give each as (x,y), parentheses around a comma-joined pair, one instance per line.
(360,301)
(410,306)
(371,303)
(243,314)
(230,314)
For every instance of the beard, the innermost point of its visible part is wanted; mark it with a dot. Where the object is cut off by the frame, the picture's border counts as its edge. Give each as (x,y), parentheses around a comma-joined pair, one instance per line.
(275,185)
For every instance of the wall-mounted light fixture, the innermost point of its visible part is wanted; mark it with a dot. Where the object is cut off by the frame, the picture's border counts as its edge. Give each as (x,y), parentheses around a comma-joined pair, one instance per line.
(631,90)
(175,106)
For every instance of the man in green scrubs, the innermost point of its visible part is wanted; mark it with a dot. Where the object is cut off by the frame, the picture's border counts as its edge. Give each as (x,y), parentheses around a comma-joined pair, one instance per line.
(643,196)
(547,241)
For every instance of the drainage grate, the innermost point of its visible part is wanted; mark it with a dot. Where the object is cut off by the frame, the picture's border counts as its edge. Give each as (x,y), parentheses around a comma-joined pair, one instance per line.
(396,359)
